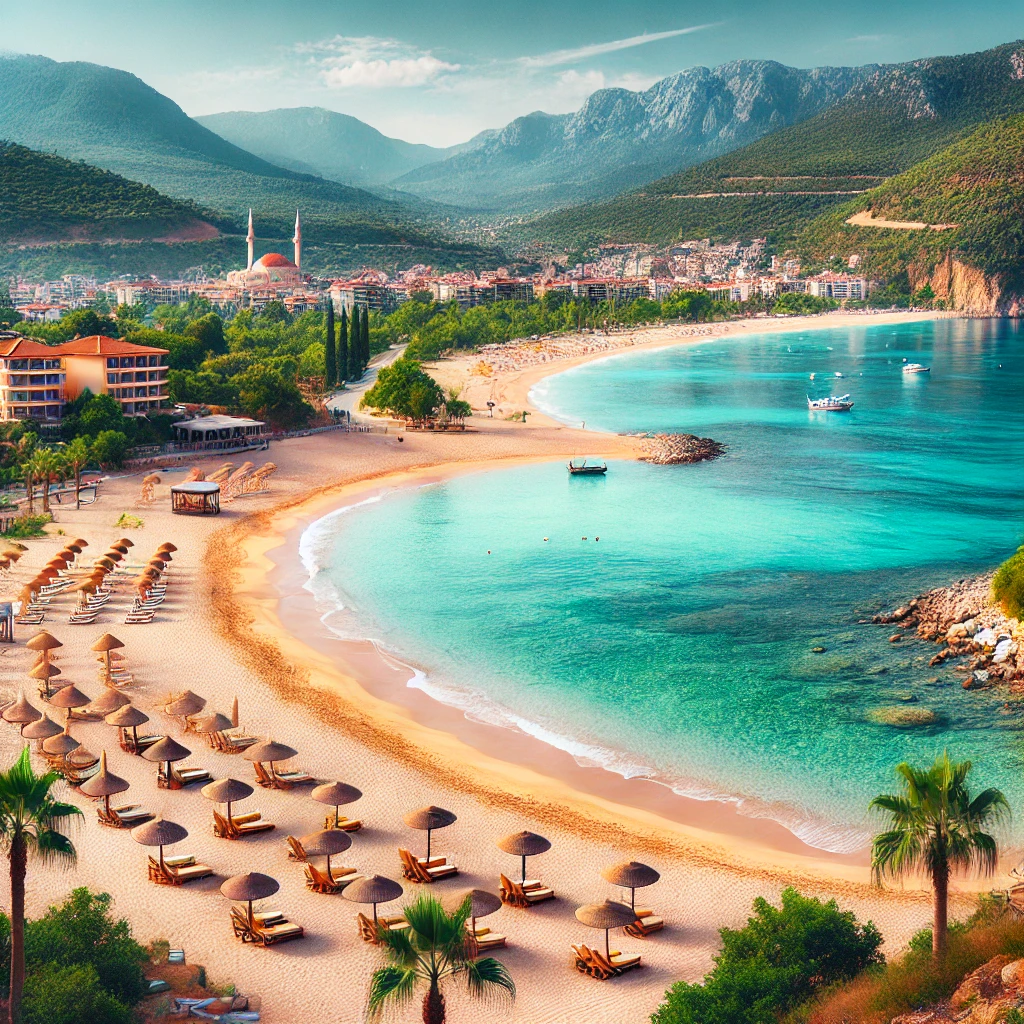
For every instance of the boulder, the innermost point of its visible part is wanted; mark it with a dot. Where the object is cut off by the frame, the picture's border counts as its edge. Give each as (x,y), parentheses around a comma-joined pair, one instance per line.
(984,983)
(903,717)
(956,631)
(1012,975)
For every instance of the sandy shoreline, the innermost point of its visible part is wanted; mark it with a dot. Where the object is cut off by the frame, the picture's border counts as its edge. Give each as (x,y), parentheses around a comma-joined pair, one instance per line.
(223,633)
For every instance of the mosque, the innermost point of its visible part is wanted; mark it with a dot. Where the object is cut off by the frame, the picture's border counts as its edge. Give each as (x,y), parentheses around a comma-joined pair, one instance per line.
(272,270)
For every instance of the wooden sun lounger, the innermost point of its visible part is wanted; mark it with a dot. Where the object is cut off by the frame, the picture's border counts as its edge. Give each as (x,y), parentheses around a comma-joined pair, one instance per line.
(127,816)
(517,894)
(181,777)
(129,746)
(240,825)
(280,780)
(230,743)
(265,929)
(647,923)
(177,870)
(483,939)
(317,880)
(82,618)
(343,824)
(295,850)
(416,870)
(592,962)
(369,934)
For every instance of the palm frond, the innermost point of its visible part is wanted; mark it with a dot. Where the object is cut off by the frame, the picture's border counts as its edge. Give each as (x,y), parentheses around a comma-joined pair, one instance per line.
(390,984)
(55,848)
(488,977)
(396,945)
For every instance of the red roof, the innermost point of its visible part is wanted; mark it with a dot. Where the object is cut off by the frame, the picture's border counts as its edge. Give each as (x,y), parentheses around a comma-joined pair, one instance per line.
(275,259)
(100,345)
(25,348)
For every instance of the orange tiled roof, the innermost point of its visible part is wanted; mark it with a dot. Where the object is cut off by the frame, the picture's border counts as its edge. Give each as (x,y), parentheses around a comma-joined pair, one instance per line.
(100,345)
(24,348)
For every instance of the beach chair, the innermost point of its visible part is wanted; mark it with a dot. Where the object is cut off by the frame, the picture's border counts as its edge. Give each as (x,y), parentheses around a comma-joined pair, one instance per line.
(523,894)
(368,933)
(295,850)
(77,618)
(129,745)
(30,618)
(317,880)
(239,825)
(180,777)
(127,816)
(280,780)
(138,618)
(416,869)
(647,923)
(230,742)
(266,934)
(177,870)
(615,964)
(483,939)
(342,823)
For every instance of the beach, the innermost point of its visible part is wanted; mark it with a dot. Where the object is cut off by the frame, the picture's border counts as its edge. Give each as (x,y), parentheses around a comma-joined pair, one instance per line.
(238,622)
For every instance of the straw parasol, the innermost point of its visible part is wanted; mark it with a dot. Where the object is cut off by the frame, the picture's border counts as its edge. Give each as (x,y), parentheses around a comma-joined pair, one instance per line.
(60,745)
(481,903)
(41,729)
(17,545)
(161,556)
(166,750)
(109,701)
(128,717)
(69,697)
(43,641)
(159,832)
(326,843)
(268,751)
(213,723)
(334,794)
(81,543)
(21,712)
(124,541)
(188,703)
(104,784)
(376,889)
(246,888)
(427,819)
(631,875)
(524,844)
(167,546)
(119,547)
(227,791)
(114,555)
(607,915)
(107,643)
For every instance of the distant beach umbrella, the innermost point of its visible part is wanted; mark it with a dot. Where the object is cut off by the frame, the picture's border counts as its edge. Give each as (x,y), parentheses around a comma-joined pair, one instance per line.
(376,889)
(104,784)
(524,844)
(41,729)
(81,543)
(114,555)
(326,843)
(167,546)
(104,645)
(159,832)
(268,752)
(607,915)
(249,887)
(165,751)
(128,717)
(119,547)
(126,542)
(43,670)
(213,723)
(69,697)
(334,794)
(188,703)
(631,875)
(161,556)
(429,818)
(21,712)
(227,791)
(109,701)
(61,745)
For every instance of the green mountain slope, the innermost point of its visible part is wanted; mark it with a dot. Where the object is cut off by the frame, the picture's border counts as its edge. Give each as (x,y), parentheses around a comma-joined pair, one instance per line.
(113,120)
(897,117)
(48,198)
(322,142)
(976,184)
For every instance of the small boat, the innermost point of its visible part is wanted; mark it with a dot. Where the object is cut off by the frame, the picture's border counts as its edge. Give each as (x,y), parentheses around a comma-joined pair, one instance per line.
(839,375)
(916,368)
(586,467)
(833,403)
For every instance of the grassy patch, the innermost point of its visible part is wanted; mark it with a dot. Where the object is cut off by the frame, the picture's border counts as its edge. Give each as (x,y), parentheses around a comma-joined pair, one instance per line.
(1008,584)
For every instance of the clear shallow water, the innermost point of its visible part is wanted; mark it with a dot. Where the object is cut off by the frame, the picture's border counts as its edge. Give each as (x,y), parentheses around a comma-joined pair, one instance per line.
(678,646)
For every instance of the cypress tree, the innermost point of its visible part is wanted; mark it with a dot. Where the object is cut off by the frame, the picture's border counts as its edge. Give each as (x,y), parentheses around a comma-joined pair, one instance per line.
(356,352)
(343,360)
(330,352)
(366,338)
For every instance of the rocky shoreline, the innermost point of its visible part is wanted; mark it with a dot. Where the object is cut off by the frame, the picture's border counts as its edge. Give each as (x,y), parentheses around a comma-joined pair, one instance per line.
(978,639)
(678,449)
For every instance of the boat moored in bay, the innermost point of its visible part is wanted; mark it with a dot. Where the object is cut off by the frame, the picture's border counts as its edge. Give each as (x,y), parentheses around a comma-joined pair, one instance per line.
(587,467)
(834,403)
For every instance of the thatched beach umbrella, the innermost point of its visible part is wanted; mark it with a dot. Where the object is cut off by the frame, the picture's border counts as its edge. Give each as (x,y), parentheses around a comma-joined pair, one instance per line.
(125,542)
(159,832)
(326,843)
(166,750)
(105,563)
(631,875)
(167,546)
(69,697)
(481,903)
(61,745)
(246,888)
(81,543)
(128,717)
(113,555)
(161,555)
(268,752)
(607,915)
(376,889)
(211,725)
(119,547)
(524,844)
(186,704)
(334,794)
(109,701)
(21,712)
(227,791)
(429,818)
(44,670)
(104,645)
(41,729)
(104,784)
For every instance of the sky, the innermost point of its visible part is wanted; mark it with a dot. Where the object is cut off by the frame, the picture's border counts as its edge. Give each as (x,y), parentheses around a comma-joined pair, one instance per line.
(438,73)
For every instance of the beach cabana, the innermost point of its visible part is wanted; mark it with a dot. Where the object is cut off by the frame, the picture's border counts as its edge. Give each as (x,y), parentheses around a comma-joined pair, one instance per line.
(606,916)
(334,794)
(196,497)
(374,890)
(523,845)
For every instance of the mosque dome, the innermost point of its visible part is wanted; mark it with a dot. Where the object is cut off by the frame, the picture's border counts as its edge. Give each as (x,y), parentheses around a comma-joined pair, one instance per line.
(274,260)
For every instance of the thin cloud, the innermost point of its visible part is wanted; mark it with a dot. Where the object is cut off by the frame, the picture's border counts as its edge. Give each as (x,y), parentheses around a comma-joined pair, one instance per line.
(399,73)
(556,57)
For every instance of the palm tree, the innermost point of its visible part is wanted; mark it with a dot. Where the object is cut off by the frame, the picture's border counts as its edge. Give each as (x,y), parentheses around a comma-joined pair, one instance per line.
(936,827)
(29,821)
(76,458)
(434,948)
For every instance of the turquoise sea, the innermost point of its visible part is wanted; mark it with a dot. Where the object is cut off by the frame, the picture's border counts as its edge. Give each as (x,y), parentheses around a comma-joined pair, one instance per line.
(665,626)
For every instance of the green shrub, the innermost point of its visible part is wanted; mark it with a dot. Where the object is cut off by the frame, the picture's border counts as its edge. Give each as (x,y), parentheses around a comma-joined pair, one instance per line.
(782,957)
(110,448)
(29,525)
(1008,584)
(71,995)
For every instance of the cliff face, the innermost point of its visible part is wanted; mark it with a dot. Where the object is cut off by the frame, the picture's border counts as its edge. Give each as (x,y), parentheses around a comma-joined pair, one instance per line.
(967,289)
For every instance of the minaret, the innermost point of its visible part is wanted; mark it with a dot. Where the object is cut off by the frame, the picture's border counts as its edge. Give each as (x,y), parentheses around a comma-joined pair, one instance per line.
(251,239)
(298,241)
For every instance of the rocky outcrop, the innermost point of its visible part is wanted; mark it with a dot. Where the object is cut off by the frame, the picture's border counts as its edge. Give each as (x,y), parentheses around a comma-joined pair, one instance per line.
(985,996)
(678,449)
(967,289)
